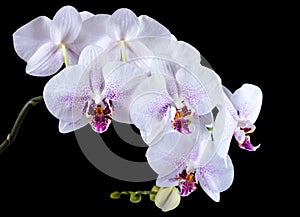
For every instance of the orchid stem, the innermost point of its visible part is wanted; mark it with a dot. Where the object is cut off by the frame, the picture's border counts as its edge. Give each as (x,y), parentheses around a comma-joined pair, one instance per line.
(136,196)
(14,131)
(123,53)
(65,54)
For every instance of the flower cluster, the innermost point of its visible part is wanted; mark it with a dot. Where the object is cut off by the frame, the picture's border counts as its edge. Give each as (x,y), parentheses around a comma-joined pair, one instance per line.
(133,70)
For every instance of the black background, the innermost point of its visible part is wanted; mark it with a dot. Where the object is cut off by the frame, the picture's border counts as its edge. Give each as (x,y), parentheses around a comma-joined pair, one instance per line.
(45,172)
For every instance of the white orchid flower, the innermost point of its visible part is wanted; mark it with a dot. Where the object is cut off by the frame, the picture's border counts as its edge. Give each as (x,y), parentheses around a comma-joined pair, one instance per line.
(46,44)
(188,161)
(174,98)
(244,107)
(79,94)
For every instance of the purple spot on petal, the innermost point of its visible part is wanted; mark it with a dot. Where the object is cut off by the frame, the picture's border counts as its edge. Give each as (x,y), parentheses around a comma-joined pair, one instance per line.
(193,95)
(159,106)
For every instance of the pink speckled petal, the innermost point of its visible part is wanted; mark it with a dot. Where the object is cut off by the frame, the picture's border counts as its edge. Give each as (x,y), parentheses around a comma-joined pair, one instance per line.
(216,176)
(64,98)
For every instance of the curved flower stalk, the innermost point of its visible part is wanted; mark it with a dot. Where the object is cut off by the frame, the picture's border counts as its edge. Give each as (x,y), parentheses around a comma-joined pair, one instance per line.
(46,44)
(244,106)
(79,95)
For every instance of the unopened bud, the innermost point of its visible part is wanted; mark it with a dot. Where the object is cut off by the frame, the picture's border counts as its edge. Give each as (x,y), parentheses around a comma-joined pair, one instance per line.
(167,198)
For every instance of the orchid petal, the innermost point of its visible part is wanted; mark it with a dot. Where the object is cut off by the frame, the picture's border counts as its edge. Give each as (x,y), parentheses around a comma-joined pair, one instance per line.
(230,107)
(216,176)
(97,62)
(122,25)
(180,52)
(151,114)
(204,148)
(193,92)
(170,153)
(150,27)
(88,54)
(139,53)
(67,127)
(239,135)
(248,100)
(46,61)
(206,119)
(64,97)
(93,30)
(167,68)
(120,85)
(66,25)
(211,82)
(170,179)
(72,57)
(28,38)
(223,129)
(85,15)
(150,107)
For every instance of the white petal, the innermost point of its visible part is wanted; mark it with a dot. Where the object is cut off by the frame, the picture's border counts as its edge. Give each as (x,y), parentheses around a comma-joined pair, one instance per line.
(248,100)
(167,69)
(139,53)
(72,57)
(204,149)
(193,92)
(46,61)
(120,85)
(88,54)
(28,38)
(64,97)
(216,176)
(123,25)
(179,52)
(239,135)
(227,92)
(96,62)
(149,109)
(170,179)
(66,25)
(230,107)
(170,153)
(85,15)
(67,127)
(93,30)
(150,113)
(211,83)
(206,119)
(223,130)
(150,27)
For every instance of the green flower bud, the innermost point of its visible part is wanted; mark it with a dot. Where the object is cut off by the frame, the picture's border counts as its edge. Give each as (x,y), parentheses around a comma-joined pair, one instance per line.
(153,192)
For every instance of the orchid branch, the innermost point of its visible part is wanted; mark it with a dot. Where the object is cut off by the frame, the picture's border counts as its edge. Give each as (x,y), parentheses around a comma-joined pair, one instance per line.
(136,196)
(14,131)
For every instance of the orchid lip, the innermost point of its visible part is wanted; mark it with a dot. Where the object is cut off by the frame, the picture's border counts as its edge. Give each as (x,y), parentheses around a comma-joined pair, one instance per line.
(182,120)
(247,145)
(187,183)
(100,115)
